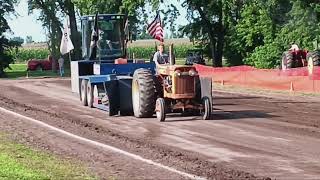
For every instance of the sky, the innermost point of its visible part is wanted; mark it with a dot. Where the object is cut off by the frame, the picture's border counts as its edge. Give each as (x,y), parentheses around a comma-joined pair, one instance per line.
(27,25)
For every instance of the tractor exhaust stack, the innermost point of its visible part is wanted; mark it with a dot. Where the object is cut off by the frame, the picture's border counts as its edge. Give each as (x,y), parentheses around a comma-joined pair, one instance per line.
(171,56)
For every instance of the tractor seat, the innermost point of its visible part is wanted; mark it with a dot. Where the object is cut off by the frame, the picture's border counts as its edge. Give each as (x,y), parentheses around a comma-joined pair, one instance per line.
(121,61)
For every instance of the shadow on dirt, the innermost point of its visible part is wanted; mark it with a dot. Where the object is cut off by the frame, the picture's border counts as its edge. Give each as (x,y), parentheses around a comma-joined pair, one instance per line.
(244,114)
(291,102)
(237,97)
(225,104)
(223,115)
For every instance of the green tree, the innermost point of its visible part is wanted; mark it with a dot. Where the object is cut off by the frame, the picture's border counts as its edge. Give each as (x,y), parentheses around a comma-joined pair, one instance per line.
(68,8)
(18,40)
(303,25)
(210,23)
(255,38)
(51,13)
(134,9)
(261,39)
(50,20)
(6,7)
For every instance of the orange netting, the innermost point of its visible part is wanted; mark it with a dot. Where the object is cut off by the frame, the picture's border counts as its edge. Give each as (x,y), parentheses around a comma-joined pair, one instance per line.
(298,79)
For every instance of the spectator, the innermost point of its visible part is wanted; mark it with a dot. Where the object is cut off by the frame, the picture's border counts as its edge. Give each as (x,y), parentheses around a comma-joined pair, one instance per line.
(61,66)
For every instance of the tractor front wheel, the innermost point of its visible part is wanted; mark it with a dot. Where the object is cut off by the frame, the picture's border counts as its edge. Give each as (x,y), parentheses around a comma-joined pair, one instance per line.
(207,108)
(160,109)
(314,58)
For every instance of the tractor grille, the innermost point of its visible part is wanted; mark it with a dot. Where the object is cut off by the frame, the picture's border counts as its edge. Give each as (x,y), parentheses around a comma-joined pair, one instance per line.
(185,85)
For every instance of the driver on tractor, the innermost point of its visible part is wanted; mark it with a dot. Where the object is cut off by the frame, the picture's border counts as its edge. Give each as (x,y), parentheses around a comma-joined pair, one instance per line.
(161,58)
(294,47)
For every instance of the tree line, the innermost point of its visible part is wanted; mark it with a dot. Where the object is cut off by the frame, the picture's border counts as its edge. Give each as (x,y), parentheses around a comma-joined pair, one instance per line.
(253,32)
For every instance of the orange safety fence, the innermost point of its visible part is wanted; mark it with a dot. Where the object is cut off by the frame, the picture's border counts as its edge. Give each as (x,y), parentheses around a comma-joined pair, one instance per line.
(298,79)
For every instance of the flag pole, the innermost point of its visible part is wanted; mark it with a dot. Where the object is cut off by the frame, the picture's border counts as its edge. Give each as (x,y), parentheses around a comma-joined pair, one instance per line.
(69,30)
(69,56)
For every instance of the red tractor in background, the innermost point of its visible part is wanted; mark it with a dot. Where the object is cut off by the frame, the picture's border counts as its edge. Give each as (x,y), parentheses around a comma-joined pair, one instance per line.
(296,57)
(293,59)
(42,64)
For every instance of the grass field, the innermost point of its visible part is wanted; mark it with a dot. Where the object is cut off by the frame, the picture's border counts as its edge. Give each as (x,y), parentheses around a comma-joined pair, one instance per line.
(20,70)
(20,162)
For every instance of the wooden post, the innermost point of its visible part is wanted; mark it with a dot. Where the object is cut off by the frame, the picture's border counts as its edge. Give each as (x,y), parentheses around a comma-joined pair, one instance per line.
(291,87)
(133,58)
(222,82)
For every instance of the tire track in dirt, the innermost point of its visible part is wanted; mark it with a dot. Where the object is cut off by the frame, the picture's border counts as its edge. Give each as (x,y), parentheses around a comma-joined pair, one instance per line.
(243,125)
(101,145)
(186,161)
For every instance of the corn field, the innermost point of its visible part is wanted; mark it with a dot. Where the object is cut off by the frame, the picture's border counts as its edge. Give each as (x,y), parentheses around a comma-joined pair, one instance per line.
(22,55)
(180,51)
(142,49)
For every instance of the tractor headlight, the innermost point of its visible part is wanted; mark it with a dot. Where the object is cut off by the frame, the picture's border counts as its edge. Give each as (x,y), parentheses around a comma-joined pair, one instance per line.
(192,72)
(177,73)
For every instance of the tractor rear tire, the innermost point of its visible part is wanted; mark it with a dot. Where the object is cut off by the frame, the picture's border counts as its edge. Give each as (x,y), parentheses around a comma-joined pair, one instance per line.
(90,94)
(143,93)
(83,92)
(315,58)
(287,61)
(207,108)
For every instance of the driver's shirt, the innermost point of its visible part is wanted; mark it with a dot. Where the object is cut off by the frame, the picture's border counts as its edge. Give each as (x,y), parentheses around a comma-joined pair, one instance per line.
(161,58)
(294,47)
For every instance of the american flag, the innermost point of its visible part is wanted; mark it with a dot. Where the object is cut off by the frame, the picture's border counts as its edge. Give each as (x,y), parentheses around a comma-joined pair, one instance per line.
(155,28)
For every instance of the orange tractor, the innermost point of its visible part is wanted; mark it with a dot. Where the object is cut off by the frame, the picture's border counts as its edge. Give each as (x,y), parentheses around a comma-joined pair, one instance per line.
(174,88)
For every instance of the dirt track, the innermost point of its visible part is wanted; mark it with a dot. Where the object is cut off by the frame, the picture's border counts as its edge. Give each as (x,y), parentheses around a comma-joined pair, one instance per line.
(266,137)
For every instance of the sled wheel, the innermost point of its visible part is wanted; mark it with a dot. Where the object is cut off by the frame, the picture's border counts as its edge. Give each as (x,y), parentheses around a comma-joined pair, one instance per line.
(160,109)
(207,108)
(83,92)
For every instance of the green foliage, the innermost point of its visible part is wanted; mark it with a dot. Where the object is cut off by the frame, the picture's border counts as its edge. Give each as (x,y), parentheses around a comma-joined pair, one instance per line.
(253,32)
(18,41)
(266,56)
(303,26)
(50,12)
(267,28)
(89,7)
